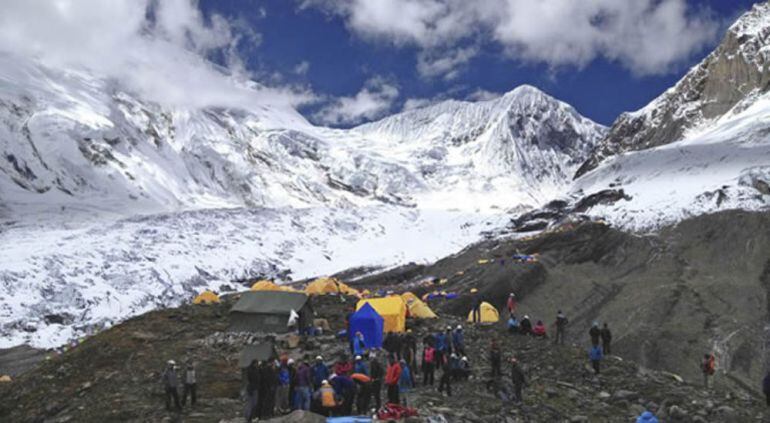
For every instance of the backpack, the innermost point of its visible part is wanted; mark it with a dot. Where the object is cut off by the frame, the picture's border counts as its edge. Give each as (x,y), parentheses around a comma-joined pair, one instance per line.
(429,353)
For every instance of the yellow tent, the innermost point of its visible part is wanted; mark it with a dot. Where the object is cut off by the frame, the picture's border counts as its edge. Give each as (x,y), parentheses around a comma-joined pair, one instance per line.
(408,296)
(323,286)
(489,313)
(419,310)
(5,379)
(206,297)
(392,309)
(271,286)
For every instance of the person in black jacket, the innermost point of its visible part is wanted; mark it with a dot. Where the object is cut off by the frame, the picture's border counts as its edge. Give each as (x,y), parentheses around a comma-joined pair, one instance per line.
(766,388)
(594,333)
(170,380)
(518,379)
(377,375)
(252,389)
(606,336)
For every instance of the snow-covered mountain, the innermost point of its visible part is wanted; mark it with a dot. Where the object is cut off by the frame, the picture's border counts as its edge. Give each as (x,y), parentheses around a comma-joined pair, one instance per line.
(112,205)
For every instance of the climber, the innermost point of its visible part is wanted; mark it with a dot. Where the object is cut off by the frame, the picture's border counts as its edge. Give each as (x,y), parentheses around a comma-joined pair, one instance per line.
(495,359)
(320,372)
(596,355)
(708,367)
(303,386)
(190,384)
(518,379)
(375,367)
(511,303)
(647,417)
(440,349)
(392,376)
(345,389)
(606,339)
(561,327)
(252,385)
(513,324)
(594,333)
(343,366)
(445,383)
(450,347)
(458,340)
(405,381)
(465,369)
(360,366)
(359,346)
(476,313)
(428,364)
(328,399)
(364,384)
(539,330)
(526,326)
(171,384)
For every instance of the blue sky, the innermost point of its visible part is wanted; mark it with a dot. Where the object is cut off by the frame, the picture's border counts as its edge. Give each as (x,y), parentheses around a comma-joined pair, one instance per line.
(325,48)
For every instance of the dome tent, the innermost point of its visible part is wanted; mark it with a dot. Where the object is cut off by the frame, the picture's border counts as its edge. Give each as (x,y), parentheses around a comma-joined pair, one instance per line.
(392,309)
(367,321)
(206,297)
(489,313)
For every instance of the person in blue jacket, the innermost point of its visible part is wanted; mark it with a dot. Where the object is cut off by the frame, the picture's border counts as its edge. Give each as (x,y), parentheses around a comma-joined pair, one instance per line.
(458,339)
(647,417)
(360,366)
(359,346)
(513,324)
(320,372)
(596,355)
(440,349)
(405,381)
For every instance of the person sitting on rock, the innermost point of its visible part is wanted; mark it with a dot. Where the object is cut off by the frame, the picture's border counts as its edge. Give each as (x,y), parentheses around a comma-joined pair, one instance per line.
(519,380)
(647,417)
(539,330)
(464,372)
(513,324)
(594,333)
(526,325)
(606,336)
(170,381)
(596,355)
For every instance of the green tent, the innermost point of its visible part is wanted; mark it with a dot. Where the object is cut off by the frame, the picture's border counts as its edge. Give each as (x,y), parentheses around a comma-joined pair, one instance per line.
(268,311)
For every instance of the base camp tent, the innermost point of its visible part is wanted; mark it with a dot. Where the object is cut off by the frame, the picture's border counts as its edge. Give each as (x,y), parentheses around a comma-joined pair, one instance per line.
(392,309)
(420,310)
(322,286)
(270,286)
(260,352)
(269,311)
(489,313)
(367,321)
(206,297)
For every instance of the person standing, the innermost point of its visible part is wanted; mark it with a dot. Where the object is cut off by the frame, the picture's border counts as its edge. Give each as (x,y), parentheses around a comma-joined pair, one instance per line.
(252,388)
(282,392)
(391,380)
(708,367)
(518,379)
(171,385)
(495,359)
(190,384)
(440,349)
(303,386)
(561,327)
(766,387)
(405,382)
(360,366)
(320,372)
(428,364)
(476,313)
(511,304)
(377,375)
(606,336)
(458,339)
(445,382)
(596,355)
(594,333)
(345,389)
(358,344)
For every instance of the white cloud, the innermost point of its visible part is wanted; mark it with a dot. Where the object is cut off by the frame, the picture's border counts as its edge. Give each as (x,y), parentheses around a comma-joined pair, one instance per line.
(155,48)
(483,95)
(302,67)
(416,103)
(645,36)
(373,101)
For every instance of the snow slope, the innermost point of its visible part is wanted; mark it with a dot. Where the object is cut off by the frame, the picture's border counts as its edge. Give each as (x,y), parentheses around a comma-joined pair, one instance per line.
(725,165)
(111,205)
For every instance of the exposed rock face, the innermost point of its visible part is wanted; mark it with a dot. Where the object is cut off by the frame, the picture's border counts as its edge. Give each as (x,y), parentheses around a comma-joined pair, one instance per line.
(729,79)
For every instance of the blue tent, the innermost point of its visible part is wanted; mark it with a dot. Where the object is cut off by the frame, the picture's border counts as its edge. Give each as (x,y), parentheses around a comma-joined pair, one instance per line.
(367,321)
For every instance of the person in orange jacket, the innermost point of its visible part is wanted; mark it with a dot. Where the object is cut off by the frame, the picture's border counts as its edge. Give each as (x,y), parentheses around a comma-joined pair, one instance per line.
(392,375)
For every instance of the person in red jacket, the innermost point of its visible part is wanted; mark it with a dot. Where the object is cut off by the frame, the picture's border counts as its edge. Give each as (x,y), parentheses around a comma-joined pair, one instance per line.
(392,375)
(511,303)
(343,366)
(539,330)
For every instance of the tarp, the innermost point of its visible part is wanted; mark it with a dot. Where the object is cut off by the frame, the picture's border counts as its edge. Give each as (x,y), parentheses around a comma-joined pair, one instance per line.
(206,297)
(260,352)
(489,313)
(417,308)
(323,286)
(392,309)
(267,311)
(367,321)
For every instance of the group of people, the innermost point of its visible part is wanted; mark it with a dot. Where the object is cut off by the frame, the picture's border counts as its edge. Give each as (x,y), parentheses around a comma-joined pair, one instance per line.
(170,378)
